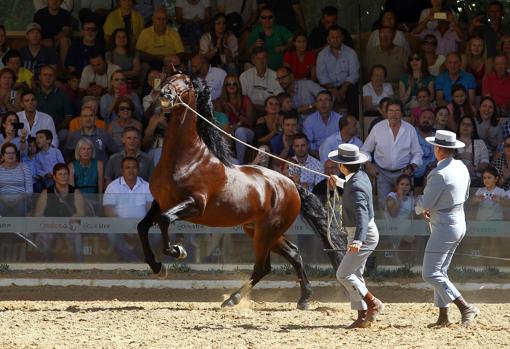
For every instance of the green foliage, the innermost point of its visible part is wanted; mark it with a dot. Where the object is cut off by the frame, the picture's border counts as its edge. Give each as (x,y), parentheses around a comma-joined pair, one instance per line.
(4,268)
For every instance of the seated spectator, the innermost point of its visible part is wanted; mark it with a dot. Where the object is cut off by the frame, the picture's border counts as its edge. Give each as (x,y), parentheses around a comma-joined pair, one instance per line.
(34,56)
(79,52)
(158,40)
(96,76)
(302,157)
(146,9)
(92,103)
(71,88)
(381,109)
(299,59)
(122,53)
(28,157)
(475,155)
(460,106)
(103,142)
(131,138)
(487,124)
(124,17)
(496,84)
(504,46)
(219,45)
(46,157)
(453,75)
(9,98)
(12,60)
(172,63)
(151,101)
(417,78)
(286,104)
(442,114)
(124,109)
(318,35)
(267,126)
(118,88)
(475,61)
(400,203)
(394,58)
(388,19)
(501,162)
(10,131)
(287,13)
(200,67)
(281,143)
(97,9)
(4,48)
(86,173)
(338,70)
(33,119)
(274,38)
(192,16)
(321,124)
(434,61)
(154,135)
(348,126)
(376,89)
(15,183)
(424,129)
(423,101)
(259,82)
(490,26)
(488,198)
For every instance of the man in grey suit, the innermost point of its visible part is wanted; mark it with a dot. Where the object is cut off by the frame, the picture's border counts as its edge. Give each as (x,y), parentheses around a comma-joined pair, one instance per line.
(358,221)
(442,205)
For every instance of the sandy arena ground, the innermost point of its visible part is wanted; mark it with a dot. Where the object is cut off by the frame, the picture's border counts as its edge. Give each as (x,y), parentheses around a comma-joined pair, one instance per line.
(74,317)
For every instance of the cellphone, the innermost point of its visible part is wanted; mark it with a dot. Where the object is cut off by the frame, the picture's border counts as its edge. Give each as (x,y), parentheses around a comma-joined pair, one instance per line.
(157,84)
(262,36)
(440,15)
(18,125)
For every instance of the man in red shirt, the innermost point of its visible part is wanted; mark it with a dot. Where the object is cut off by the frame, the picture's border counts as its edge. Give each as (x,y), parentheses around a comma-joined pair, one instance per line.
(497,84)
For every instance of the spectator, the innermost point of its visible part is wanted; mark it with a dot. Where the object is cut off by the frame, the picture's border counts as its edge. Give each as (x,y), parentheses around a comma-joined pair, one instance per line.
(338,70)
(396,150)
(417,78)
(475,155)
(172,63)
(146,9)
(118,88)
(487,124)
(281,143)
(15,183)
(382,113)
(490,26)
(9,98)
(475,61)
(86,173)
(388,19)
(35,120)
(12,60)
(330,168)
(154,135)
(124,17)
(66,4)
(302,92)
(274,38)
(496,84)
(488,198)
(131,138)
(448,34)
(259,82)
(428,16)
(502,163)
(11,133)
(288,13)
(394,58)
(267,126)
(47,157)
(434,61)
(80,50)
(424,129)
(71,88)
(504,46)
(241,15)
(442,114)
(157,41)
(92,103)
(321,124)
(460,106)
(56,24)
(3,44)
(219,45)
(96,76)
(299,59)
(151,101)
(103,142)
(122,53)
(28,157)
(286,104)
(318,35)
(306,179)
(400,203)
(200,67)
(35,56)
(453,75)
(124,109)
(348,126)
(423,101)
(376,89)
(192,16)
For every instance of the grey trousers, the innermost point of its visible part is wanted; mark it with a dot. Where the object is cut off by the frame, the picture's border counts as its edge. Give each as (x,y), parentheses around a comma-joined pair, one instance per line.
(350,271)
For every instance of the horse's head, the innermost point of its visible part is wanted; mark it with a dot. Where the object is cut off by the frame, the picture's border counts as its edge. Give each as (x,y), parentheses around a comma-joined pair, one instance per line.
(173,90)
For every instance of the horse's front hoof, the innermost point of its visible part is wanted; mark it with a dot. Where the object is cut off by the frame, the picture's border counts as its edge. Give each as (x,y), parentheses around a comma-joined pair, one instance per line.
(234,300)
(303,305)
(178,252)
(163,273)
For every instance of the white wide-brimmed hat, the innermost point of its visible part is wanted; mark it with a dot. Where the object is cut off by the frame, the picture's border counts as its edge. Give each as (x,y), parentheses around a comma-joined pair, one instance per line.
(445,139)
(348,154)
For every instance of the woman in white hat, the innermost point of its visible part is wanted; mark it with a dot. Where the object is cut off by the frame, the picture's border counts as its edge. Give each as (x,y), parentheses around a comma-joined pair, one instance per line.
(442,205)
(362,233)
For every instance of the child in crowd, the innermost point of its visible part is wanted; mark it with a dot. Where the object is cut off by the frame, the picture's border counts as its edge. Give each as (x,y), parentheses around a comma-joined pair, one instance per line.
(400,203)
(442,116)
(47,157)
(489,198)
(460,106)
(72,90)
(423,101)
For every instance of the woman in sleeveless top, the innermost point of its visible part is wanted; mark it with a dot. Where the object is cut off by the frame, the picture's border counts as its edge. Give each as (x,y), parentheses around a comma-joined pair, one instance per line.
(86,172)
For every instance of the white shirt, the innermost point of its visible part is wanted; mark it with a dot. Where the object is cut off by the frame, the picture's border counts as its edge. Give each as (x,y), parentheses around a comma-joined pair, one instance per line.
(214,79)
(190,11)
(393,153)
(42,121)
(127,202)
(368,91)
(88,75)
(259,88)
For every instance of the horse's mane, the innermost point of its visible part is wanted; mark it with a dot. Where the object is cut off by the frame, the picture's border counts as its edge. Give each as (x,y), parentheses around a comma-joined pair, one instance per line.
(213,138)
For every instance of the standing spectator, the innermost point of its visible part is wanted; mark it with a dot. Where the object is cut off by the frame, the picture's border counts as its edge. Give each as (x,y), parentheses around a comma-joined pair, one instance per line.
(348,126)
(487,124)
(267,126)
(338,70)
(214,77)
(9,98)
(396,150)
(502,163)
(192,16)
(490,26)
(424,129)
(122,53)
(3,44)
(417,78)
(124,110)
(35,120)
(306,179)
(299,59)
(12,60)
(96,76)
(496,84)
(47,157)
(85,171)
(453,75)
(434,61)
(302,92)
(124,17)
(11,134)
(288,13)
(80,50)
(488,197)
(376,89)
(475,61)
(118,88)
(318,35)
(388,19)
(35,56)
(321,124)
(219,45)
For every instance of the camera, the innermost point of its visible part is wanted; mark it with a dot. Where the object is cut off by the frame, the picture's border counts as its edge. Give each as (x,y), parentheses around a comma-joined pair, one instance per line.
(487,195)
(18,125)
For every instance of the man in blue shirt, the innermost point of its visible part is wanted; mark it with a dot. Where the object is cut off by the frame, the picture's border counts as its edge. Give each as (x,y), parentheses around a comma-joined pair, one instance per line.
(425,128)
(454,75)
(348,130)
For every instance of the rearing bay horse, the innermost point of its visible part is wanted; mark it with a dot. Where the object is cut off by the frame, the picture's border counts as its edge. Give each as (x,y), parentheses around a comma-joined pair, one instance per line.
(195,181)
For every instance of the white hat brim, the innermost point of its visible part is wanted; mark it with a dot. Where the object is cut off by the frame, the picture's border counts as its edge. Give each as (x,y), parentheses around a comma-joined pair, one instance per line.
(363,157)
(432,140)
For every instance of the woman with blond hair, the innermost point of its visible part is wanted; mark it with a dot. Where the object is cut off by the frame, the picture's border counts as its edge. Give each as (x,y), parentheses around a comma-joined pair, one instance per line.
(86,172)
(475,61)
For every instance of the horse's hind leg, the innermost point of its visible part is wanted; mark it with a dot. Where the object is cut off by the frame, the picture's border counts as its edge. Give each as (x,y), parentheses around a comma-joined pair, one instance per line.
(143,232)
(290,252)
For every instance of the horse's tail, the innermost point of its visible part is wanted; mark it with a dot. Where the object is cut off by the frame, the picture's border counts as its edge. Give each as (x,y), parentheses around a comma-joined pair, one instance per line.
(315,215)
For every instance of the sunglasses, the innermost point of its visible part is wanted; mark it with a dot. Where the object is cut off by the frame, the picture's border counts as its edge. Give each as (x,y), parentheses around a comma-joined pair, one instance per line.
(231,84)
(124,109)
(267,17)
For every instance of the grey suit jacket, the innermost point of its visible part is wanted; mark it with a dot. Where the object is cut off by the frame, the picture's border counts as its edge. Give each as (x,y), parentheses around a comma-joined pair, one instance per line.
(357,204)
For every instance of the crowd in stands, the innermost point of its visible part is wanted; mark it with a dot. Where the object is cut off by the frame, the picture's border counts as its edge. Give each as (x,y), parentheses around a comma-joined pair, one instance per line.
(80,112)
